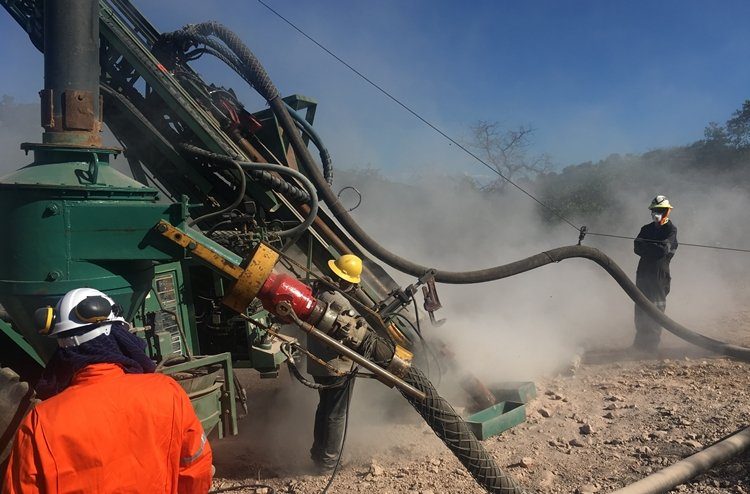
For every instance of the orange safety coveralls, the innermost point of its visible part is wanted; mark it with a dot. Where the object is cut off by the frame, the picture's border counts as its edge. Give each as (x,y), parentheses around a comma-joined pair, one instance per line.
(111,432)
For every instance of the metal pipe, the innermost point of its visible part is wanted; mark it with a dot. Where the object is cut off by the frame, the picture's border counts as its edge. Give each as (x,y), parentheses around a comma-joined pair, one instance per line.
(70,99)
(692,466)
(284,309)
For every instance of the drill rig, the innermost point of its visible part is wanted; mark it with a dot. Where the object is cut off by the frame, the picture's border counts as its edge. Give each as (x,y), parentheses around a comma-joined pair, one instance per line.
(208,247)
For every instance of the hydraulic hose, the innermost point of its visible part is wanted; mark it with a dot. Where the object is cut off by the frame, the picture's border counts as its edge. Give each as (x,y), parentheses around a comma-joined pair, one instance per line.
(692,466)
(261,171)
(237,201)
(325,156)
(237,56)
(261,174)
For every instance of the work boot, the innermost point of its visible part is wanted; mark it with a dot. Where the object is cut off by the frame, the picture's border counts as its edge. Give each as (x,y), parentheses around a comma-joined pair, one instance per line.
(647,352)
(323,468)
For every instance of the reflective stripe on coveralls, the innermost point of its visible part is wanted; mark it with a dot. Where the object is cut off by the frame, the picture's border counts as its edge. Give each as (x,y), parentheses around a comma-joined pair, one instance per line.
(111,432)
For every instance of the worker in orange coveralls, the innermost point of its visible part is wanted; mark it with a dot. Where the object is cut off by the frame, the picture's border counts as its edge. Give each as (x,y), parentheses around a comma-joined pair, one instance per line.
(111,424)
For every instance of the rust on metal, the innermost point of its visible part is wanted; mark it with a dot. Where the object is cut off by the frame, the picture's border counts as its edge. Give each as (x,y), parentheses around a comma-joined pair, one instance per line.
(246,147)
(78,110)
(48,107)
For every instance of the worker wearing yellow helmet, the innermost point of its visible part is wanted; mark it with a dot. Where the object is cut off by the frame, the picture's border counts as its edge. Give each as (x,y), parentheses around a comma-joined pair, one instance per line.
(347,268)
(655,245)
(335,384)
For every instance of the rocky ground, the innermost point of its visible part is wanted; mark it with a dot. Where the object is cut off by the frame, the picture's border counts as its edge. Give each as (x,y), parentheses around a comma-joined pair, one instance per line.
(613,420)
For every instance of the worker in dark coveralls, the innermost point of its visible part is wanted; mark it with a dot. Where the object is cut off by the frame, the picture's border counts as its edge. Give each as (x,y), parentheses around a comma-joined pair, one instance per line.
(336,389)
(656,244)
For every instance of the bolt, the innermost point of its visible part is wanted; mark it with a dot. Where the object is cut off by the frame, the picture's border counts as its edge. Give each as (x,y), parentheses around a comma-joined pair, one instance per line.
(51,210)
(161,228)
(192,246)
(54,275)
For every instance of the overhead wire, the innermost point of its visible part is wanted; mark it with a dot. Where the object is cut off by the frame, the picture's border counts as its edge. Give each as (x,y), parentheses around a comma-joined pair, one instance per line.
(420,117)
(686,244)
(458,144)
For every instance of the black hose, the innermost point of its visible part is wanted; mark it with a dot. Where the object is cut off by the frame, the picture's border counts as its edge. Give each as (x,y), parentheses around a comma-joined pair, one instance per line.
(455,433)
(444,421)
(506,270)
(250,68)
(240,197)
(325,156)
(281,186)
(261,81)
(242,61)
(290,191)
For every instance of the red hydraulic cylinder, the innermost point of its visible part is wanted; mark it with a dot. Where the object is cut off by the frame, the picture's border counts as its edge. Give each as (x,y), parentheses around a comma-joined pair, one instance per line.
(284,288)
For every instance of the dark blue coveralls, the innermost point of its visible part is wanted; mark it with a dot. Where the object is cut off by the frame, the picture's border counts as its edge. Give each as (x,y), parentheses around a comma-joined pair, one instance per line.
(656,245)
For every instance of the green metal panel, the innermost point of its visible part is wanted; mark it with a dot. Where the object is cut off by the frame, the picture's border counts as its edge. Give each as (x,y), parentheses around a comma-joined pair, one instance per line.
(20,342)
(75,222)
(169,297)
(518,391)
(496,419)
(227,404)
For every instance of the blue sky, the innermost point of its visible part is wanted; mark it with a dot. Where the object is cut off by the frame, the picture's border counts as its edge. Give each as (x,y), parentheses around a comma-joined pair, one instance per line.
(593,77)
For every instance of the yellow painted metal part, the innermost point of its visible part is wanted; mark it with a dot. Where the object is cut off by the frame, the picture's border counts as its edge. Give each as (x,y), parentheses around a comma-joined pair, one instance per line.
(248,284)
(396,335)
(199,250)
(247,281)
(403,354)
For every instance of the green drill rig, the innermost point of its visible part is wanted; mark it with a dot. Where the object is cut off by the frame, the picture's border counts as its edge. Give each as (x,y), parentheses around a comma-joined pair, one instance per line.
(177,246)
(76,221)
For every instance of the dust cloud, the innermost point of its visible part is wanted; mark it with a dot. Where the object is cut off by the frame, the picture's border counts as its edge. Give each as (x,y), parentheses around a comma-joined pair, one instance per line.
(20,122)
(533,324)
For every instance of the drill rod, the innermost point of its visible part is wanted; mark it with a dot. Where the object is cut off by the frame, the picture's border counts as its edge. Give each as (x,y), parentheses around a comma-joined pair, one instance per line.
(285,309)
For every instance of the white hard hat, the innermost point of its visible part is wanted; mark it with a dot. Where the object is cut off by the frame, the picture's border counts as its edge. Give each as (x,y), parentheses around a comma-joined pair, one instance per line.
(660,202)
(79,308)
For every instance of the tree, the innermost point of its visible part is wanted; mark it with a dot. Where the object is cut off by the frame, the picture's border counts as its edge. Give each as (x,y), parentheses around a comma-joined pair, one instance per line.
(736,132)
(506,152)
(738,127)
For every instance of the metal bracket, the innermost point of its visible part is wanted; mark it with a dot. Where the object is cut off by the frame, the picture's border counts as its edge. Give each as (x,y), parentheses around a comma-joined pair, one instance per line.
(432,301)
(401,297)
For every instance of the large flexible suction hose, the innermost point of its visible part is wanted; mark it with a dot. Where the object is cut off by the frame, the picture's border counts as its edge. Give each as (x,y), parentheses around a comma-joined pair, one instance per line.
(455,433)
(257,76)
(506,270)
(445,422)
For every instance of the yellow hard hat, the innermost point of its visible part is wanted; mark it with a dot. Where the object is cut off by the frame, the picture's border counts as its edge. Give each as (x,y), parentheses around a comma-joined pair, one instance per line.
(660,202)
(347,267)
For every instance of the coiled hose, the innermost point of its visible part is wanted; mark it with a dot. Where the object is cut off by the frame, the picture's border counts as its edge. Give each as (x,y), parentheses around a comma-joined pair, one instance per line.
(481,275)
